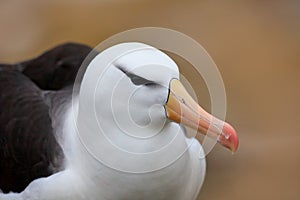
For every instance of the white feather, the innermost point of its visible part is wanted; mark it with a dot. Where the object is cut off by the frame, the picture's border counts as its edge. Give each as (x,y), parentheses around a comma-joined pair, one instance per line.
(96,168)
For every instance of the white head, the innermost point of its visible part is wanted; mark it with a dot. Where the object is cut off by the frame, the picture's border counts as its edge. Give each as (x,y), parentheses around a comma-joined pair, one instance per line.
(131,92)
(140,90)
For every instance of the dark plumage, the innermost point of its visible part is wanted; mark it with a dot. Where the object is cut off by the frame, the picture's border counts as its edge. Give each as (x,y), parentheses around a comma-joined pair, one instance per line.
(31,96)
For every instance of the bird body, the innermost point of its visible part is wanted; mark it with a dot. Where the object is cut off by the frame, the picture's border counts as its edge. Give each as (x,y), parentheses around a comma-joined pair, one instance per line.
(113,139)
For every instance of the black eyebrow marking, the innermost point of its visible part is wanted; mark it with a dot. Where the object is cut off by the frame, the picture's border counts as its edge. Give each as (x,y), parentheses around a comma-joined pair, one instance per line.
(136,79)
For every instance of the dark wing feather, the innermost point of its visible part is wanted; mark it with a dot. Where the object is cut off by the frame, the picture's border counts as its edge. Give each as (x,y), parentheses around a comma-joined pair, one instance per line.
(28,147)
(58,67)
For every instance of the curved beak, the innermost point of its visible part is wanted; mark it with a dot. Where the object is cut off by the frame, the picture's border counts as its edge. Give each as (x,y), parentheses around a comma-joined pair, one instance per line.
(181,108)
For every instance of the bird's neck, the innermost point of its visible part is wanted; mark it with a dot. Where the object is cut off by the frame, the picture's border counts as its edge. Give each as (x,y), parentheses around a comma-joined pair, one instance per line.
(89,154)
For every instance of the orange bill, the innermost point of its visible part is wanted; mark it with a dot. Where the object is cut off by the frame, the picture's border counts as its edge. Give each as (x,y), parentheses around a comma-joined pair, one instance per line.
(182,108)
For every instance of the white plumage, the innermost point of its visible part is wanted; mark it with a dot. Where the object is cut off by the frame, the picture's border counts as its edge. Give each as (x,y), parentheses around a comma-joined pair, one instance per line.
(117,140)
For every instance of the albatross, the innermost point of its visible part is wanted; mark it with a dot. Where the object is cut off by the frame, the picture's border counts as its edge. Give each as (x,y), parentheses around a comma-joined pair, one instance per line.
(120,136)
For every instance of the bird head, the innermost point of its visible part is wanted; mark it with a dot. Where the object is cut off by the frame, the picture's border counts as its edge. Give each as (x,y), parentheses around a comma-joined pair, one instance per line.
(146,94)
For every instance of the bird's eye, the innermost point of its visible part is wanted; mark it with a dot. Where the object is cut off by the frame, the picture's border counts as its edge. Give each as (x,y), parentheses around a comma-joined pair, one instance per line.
(137,80)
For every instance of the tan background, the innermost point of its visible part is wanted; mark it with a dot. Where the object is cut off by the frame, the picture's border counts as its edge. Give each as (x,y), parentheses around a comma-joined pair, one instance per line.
(256,45)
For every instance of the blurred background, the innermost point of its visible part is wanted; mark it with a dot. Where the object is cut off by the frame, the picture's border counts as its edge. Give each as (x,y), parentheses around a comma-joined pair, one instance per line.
(255,44)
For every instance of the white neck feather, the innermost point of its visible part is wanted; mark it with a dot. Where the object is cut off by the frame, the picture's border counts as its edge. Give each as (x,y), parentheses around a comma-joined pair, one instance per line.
(104,156)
